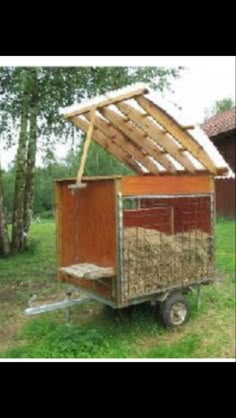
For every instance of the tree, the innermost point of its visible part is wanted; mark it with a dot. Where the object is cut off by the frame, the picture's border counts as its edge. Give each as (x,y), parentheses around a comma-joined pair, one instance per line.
(4,240)
(29,101)
(219,106)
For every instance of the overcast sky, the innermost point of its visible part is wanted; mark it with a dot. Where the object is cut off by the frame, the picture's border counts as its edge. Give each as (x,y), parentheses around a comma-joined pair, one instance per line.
(205,80)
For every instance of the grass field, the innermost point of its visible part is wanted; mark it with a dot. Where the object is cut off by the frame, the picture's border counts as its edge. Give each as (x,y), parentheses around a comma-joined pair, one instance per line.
(96,331)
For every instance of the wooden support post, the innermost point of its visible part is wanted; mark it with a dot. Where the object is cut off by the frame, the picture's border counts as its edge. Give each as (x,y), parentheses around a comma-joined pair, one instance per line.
(86,147)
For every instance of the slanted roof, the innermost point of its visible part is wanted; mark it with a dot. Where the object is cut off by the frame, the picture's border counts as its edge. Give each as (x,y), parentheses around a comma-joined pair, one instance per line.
(221,123)
(132,126)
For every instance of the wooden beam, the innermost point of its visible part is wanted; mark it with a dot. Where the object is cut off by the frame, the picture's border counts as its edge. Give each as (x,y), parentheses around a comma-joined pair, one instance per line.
(106,143)
(88,271)
(138,137)
(86,147)
(167,185)
(175,129)
(123,142)
(157,135)
(186,128)
(106,102)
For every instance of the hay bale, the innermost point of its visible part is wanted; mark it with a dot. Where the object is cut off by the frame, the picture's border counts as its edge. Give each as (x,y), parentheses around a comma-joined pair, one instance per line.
(154,261)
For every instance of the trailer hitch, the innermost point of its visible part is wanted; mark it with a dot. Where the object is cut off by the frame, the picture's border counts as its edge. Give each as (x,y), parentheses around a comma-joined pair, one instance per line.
(66,303)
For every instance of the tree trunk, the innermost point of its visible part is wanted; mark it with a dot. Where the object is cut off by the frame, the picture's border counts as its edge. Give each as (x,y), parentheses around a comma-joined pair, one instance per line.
(4,239)
(18,205)
(30,175)
(31,159)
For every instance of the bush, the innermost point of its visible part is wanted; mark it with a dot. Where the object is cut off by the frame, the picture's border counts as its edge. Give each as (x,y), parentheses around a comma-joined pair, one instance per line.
(46,214)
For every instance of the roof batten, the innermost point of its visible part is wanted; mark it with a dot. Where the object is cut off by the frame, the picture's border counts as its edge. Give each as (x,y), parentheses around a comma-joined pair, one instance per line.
(145,137)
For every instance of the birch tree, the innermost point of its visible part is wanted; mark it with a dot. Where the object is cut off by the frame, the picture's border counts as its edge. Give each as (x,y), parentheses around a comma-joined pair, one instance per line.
(32,97)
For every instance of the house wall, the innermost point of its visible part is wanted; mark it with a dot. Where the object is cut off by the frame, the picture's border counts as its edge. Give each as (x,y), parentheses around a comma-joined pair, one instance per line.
(225,188)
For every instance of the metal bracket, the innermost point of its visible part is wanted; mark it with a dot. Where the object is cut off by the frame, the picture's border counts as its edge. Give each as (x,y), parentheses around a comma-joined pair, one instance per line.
(199,296)
(66,303)
(162,297)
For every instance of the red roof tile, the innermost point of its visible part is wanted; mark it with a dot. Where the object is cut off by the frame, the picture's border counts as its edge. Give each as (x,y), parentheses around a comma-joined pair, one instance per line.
(220,123)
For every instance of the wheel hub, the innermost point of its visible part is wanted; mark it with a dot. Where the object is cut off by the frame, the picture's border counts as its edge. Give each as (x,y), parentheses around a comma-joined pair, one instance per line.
(178,313)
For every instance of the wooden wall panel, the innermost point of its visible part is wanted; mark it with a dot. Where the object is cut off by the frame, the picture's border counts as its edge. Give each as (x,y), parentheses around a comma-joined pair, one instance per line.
(188,213)
(158,218)
(97,223)
(86,226)
(104,290)
(137,185)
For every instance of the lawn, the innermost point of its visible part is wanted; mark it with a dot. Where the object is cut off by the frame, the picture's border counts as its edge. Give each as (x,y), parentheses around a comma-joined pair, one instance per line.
(96,331)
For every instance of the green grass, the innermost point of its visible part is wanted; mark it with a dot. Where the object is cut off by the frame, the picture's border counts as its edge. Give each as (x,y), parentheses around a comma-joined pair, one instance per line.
(96,331)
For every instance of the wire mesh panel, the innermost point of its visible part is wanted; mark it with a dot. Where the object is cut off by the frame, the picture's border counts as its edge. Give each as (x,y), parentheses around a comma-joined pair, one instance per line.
(167,242)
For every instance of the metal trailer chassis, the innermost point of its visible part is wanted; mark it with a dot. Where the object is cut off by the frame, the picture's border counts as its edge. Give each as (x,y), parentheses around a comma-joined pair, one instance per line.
(174,308)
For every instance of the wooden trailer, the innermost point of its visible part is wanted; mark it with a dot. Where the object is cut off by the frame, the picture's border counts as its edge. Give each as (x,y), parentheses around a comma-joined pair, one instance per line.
(112,235)
(148,236)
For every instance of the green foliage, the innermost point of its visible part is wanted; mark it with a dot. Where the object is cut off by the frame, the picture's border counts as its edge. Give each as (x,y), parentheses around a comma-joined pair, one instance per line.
(99,162)
(61,86)
(220,106)
(30,98)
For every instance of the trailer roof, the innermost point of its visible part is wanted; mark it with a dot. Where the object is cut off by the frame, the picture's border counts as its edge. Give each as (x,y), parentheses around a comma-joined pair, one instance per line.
(147,135)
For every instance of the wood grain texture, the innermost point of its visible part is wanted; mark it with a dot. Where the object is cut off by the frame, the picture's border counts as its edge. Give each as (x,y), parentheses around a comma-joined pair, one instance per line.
(158,218)
(88,271)
(58,213)
(109,145)
(108,101)
(123,141)
(148,185)
(187,214)
(86,147)
(225,198)
(97,288)
(175,129)
(159,137)
(86,226)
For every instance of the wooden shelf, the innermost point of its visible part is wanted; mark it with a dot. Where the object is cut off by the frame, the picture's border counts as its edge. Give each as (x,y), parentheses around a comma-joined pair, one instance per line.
(88,271)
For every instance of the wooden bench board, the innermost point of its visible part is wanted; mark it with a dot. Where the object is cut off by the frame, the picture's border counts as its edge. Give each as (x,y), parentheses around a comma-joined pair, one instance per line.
(88,271)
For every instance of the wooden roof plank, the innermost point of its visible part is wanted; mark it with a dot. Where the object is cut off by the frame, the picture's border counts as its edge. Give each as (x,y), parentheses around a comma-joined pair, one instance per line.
(106,102)
(181,135)
(157,135)
(140,139)
(106,143)
(121,140)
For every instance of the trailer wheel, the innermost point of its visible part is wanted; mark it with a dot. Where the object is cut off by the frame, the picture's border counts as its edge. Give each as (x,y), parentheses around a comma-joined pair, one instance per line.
(174,310)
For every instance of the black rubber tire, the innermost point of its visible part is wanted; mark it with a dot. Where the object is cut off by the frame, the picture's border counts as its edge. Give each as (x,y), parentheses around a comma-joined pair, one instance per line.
(166,309)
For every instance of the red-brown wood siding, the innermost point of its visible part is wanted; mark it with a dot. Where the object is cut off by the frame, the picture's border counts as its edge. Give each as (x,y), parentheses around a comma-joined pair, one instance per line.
(225,188)
(225,198)
(188,214)
(86,228)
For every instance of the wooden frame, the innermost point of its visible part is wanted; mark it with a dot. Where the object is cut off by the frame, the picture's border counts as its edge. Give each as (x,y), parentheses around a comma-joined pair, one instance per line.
(139,138)
(102,194)
(144,137)
(158,136)
(166,185)
(121,140)
(178,132)
(108,101)
(109,145)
